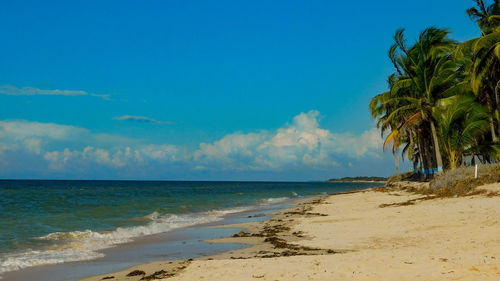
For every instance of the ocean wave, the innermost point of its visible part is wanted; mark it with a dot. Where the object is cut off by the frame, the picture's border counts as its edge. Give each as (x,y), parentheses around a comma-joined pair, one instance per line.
(83,245)
(16,261)
(270,201)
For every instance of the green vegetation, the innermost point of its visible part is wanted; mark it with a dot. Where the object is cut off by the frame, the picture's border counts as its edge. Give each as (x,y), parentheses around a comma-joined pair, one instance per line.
(442,107)
(354,179)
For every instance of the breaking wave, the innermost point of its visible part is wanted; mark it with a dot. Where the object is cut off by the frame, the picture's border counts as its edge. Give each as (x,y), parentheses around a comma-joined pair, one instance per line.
(85,245)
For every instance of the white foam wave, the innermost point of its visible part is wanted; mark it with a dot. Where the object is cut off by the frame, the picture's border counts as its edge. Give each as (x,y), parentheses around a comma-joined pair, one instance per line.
(270,201)
(84,245)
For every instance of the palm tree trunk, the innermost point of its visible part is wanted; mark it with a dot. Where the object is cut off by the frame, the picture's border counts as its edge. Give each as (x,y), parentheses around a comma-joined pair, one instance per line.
(420,152)
(412,157)
(396,160)
(431,161)
(492,128)
(435,142)
(497,96)
(424,156)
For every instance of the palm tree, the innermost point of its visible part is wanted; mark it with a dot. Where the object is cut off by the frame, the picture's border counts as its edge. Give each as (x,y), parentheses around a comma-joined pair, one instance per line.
(465,54)
(379,108)
(485,53)
(486,68)
(442,95)
(486,16)
(428,74)
(461,121)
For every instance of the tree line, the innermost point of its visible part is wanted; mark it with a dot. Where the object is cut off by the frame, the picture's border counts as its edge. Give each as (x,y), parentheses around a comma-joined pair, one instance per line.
(442,106)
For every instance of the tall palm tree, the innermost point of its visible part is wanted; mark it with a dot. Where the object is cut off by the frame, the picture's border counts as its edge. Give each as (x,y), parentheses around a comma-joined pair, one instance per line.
(485,53)
(379,108)
(486,16)
(486,68)
(428,74)
(461,121)
(465,54)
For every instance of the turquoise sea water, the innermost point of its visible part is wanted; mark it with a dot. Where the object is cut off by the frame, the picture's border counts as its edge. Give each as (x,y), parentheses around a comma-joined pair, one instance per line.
(48,222)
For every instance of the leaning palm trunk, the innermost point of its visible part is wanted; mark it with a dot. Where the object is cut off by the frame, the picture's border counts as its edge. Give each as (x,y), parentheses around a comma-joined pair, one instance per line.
(492,129)
(413,156)
(497,96)
(396,161)
(435,143)
(423,165)
(420,144)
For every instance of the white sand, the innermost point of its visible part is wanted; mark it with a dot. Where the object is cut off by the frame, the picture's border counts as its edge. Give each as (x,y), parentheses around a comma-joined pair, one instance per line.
(441,239)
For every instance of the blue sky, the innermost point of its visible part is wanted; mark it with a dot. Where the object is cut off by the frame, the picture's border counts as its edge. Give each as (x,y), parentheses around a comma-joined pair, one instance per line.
(192,90)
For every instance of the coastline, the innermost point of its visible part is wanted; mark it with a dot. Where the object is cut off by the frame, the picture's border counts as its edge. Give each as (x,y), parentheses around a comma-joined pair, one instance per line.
(253,234)
(363,235)
(110,240)
(357,181)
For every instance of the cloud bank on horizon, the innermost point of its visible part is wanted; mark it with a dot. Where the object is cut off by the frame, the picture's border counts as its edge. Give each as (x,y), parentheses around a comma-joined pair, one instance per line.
(45,150)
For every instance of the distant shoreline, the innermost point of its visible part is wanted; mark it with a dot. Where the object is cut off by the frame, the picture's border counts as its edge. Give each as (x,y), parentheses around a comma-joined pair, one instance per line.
(360,181)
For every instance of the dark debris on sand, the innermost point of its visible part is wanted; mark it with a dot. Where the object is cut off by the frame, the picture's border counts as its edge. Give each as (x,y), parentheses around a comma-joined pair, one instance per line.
(136,273)
(275,229)
(161,274)
(158,275)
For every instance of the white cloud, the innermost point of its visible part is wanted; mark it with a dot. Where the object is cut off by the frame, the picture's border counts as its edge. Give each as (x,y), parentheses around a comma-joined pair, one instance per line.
(33,145)
(3,147)
(21,130)
(298,145)
(32,91)
(32,136)
(104,97)
(58,159)
(157,152)
(141,119)
(114,158)
(109,150)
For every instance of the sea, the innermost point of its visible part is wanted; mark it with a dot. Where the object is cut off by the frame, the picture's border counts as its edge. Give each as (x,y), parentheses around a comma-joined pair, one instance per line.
(57,222)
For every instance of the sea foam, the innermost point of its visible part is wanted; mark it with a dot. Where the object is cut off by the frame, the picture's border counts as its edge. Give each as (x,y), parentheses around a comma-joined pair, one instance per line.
(84,245)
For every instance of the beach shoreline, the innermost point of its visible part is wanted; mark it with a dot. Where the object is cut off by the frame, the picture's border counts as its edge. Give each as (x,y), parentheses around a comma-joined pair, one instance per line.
(252,234)
(125,230)
(363,235)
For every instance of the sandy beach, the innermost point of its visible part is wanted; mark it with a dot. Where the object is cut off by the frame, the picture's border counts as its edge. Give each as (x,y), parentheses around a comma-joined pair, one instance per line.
(366,235)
